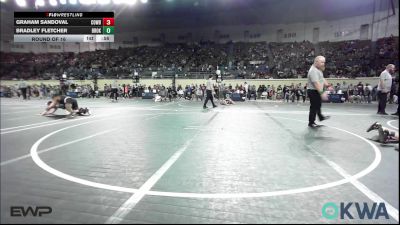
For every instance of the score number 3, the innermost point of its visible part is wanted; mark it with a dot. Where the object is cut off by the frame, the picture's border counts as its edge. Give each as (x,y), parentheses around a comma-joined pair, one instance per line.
(108,21)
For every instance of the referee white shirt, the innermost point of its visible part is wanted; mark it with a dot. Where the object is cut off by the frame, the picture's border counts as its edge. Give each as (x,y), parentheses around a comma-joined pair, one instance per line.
(386,79)
(314,75)
(209,84)
(114,84)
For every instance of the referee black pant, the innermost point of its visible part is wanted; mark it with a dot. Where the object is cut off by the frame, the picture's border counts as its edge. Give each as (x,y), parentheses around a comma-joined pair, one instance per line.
(114,93)
(209,97)
(315,106)
(382,102)
(23,92)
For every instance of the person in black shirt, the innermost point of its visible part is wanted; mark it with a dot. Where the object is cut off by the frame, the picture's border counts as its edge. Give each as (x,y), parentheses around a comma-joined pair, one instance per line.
(259,91)
(279,92)
(286,93)
(360,90)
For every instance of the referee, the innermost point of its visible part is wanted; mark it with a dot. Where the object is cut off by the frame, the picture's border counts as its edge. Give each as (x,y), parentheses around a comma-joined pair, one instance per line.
(209,88)
(384,87)
(23,87)
(315,90)
(114,91)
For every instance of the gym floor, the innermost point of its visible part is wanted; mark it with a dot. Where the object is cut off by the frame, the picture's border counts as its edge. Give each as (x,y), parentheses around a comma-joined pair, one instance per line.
(137,161)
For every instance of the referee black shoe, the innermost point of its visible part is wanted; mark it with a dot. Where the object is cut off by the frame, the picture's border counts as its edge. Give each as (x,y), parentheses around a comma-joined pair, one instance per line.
(324,118)
(314,125)
(382,113)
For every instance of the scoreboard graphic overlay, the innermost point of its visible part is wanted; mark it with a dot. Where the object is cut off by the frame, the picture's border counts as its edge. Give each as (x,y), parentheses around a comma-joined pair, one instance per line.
(64,26)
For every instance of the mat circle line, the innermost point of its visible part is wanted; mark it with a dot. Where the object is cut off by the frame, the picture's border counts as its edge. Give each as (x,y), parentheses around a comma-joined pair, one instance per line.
(44,166)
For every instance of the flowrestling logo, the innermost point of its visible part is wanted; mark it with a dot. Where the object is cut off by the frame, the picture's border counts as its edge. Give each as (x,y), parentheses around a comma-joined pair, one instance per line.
(364,210)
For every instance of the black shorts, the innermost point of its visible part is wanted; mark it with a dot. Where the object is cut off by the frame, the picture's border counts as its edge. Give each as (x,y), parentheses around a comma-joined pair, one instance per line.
(70,101)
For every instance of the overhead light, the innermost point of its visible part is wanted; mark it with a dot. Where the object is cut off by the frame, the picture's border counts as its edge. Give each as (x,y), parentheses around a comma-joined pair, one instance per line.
(73,2)
(87,2)
(63,2)
(53,2)
(103,2)
(39,3)
(130,2)
(21,3)
(117,2)
(3,0)
(144,1)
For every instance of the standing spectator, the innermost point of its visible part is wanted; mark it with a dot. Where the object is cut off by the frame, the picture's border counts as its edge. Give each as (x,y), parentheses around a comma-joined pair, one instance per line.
(345,90)
(337,88)
(367,93)
(126,91)
(29,91)
(304,95)
(199,94)
(279,92)
(92,93)
(397,92)
(360,90)
(272,93)
(259,91)
(105,89)
(298,93)
(292,92)
(42,89)
(285,93)
(392,91)
(252,92)
(216,91)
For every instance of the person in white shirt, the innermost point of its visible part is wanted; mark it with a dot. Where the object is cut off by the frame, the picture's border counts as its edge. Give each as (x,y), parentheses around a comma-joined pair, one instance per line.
(367,93)
(384,86)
